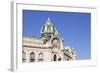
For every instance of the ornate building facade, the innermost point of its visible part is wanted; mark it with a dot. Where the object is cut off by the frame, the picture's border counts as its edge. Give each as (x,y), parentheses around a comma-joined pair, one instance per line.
(49,47)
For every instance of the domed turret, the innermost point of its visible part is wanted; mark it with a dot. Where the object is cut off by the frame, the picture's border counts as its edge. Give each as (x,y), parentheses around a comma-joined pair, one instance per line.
(48,30)
(48,27)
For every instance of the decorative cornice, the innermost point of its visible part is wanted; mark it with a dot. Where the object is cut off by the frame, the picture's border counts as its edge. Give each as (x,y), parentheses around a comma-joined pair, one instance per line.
(37,47)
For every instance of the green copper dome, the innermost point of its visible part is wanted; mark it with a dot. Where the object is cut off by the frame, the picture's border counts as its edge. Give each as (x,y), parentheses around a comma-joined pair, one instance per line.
(48,27)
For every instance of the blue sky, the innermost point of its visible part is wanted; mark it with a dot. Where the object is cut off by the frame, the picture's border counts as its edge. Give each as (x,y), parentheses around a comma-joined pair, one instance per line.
(74,27)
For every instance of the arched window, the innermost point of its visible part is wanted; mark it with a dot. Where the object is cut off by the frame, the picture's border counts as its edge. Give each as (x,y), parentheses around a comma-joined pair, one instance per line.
(59,59)
(55,57)
(67,59)
(23,56)
(32,57)
(40,56)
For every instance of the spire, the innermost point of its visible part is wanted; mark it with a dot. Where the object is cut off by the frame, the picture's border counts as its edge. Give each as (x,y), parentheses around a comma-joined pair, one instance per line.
(48,22)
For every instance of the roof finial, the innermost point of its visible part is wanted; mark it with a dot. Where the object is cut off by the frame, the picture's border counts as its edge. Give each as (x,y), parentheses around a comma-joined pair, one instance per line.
(48,19)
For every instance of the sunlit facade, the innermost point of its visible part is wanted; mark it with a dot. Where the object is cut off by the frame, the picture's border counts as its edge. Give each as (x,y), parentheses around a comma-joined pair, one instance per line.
(49,47)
